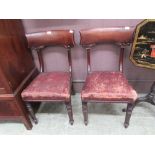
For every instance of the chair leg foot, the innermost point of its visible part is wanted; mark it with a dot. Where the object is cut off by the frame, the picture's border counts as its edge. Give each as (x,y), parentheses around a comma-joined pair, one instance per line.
(85,112)
(86,123)
(35,121)
(31,112)
(124,110)
(71,122)
(126,125)
(129,109)
(70,112)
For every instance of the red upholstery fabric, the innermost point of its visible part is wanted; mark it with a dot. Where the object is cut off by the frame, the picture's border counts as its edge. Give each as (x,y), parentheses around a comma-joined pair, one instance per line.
(49,86)
(108,86)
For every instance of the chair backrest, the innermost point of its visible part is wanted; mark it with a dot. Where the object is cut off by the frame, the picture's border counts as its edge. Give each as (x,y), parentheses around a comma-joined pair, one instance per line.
(121,36)
(40,40)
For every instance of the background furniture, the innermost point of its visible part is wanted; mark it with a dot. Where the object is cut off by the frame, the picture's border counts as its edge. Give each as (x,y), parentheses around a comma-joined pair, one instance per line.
(50,86)
(107,86)
(143,53)
(16,71)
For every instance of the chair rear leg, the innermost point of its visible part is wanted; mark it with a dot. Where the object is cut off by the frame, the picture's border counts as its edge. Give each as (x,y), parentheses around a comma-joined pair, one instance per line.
(129,109)
(73,90)
(85,112)
(70,112)
(31,112)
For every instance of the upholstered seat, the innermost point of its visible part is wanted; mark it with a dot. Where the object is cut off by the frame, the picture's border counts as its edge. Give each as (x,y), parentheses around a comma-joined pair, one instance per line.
(107,86)
(49,86)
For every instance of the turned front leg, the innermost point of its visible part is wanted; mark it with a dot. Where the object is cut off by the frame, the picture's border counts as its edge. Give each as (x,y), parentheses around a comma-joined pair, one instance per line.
(70,112)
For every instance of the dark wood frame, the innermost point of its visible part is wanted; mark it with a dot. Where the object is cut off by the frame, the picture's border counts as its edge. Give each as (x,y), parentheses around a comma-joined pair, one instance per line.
(119,36)
(38,42)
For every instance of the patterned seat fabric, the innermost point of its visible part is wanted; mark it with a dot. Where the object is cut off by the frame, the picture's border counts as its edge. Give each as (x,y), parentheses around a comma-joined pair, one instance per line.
(107,86)
(49,86)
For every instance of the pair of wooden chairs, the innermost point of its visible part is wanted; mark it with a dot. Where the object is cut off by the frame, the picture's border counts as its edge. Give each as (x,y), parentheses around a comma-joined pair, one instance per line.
(100,86)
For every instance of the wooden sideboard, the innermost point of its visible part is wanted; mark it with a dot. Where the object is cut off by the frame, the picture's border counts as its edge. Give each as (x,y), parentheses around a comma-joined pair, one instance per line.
(17,69)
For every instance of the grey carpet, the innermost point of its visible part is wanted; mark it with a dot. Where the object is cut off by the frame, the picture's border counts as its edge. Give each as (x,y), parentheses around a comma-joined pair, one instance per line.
(103,119)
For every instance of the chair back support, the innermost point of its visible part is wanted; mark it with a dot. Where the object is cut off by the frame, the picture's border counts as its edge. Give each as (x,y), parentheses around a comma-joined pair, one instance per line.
(121,36)
(40,40)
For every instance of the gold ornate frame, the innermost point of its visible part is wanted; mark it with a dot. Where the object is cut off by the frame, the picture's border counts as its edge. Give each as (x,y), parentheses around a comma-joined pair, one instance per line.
(136,34)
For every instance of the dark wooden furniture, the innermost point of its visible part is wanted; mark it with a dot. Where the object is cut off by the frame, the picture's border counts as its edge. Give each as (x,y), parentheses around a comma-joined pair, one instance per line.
(50,86)
(16,70)
(143,53)
(106,86)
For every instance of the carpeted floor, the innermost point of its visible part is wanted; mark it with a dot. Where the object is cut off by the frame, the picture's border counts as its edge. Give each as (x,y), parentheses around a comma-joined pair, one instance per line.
(103,119)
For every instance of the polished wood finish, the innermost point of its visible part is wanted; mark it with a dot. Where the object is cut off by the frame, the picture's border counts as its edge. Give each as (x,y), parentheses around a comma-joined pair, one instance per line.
(70,112)
(40,58)
(121,59)
(91,37)
(69,60)
(121,36)
(14,55)
(16,70)
(9,108)
(51,38)
(88,60)
(32,114)
(38,42)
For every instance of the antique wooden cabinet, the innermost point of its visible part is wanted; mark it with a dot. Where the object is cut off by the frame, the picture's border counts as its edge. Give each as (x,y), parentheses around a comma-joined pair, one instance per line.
(16,70)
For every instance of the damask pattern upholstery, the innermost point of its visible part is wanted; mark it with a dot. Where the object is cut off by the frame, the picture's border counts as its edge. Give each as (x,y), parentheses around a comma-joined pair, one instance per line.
(107,86)
(49,86)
